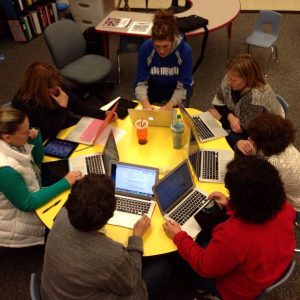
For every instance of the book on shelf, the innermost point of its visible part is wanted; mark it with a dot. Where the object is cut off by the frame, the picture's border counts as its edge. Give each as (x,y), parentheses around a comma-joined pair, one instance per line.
(140,27)
(42,16)
(54,9)
(17,30)
(36,22)
(31,24)
(28,32)
(117,22)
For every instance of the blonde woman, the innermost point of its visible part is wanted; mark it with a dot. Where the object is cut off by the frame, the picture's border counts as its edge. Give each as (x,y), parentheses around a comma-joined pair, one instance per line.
(243,95)
(21,151)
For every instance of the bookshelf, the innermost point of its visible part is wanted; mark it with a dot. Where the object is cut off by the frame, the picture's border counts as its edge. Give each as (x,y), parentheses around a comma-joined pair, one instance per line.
(28,18)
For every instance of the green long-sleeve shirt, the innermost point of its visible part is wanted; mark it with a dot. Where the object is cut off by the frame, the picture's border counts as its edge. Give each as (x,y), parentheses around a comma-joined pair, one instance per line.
(15,188)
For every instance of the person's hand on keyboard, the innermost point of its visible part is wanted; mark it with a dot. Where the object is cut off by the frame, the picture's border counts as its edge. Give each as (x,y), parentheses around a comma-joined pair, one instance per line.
(141,226)
(171,228)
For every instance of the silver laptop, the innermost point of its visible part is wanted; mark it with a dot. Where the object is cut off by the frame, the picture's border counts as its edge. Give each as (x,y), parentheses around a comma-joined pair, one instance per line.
(133,186)
(98,163)
(179,199)
(209,164)
(204,124)
(160,118)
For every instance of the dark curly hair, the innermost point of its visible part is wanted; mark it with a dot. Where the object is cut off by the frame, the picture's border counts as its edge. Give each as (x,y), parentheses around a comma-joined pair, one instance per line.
(164,25)
(255,189)
(91,202)
(271,133)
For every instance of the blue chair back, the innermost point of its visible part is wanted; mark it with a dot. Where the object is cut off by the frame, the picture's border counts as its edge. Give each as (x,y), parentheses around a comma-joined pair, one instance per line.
(283,103)
(269,16)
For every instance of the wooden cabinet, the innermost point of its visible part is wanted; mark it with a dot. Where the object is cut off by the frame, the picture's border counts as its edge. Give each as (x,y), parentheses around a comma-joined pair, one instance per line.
(87,13)
(28,18)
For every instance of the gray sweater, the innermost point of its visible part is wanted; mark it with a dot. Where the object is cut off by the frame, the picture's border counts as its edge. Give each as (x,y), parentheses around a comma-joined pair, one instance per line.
(81,265)
(251,104)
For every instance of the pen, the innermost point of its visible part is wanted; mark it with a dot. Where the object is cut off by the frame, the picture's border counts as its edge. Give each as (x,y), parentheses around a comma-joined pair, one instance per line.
(83,148)
(54,204)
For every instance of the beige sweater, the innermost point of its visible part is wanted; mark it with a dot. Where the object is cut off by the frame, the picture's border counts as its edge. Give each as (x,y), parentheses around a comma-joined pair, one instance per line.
(288,165)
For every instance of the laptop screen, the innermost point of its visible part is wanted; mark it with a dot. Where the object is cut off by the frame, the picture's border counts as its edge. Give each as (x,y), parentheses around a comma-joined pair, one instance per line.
(194,153)
(110,152)
(186,117)
(133,180)
(173,186)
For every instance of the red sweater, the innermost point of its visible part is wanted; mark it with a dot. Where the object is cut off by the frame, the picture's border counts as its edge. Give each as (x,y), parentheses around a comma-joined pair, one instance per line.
(243,258)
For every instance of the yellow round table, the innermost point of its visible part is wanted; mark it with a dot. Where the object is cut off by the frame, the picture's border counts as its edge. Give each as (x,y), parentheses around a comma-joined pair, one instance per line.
(158,152)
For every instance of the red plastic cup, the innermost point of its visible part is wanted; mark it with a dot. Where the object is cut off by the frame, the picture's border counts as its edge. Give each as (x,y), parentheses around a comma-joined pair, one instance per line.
(141,131)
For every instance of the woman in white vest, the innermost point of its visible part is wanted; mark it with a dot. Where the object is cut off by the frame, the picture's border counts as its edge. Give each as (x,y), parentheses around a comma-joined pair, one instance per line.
(21,151)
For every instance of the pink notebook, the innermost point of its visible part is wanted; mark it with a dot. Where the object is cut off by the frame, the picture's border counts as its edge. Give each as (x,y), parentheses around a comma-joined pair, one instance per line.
(89,129)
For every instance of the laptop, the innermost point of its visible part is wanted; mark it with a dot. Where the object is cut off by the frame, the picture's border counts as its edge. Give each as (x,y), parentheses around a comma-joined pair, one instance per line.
(209,164)
(206,126)
(133,187)
(160,118)
(88,129)
(98,163)
(179,199)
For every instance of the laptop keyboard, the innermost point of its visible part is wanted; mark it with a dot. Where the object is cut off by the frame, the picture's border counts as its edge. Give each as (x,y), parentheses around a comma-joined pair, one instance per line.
(188,207)
(132,206)
(210,165)
(203,131)
(94,164)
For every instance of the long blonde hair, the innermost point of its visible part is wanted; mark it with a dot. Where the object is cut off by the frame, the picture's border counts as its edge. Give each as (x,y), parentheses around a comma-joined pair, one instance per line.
(38,78)
(247,67)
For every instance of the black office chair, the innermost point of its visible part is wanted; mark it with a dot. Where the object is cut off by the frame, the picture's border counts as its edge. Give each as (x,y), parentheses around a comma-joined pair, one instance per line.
(177,8)
(68,49)
(126,5)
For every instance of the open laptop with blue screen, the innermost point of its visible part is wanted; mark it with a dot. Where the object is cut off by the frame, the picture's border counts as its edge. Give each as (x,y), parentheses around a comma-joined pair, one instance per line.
(133,188)
(179,199)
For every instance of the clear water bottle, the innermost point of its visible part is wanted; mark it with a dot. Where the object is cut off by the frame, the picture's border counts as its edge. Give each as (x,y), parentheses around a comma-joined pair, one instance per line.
(177,131)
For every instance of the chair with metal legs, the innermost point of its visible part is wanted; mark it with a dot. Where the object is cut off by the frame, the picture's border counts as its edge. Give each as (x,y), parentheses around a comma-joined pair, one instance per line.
(35,287)
(261,37)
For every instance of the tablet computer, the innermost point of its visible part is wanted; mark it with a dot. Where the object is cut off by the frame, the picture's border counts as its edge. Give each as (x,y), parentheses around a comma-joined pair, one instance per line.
(53,171)
(59,148)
